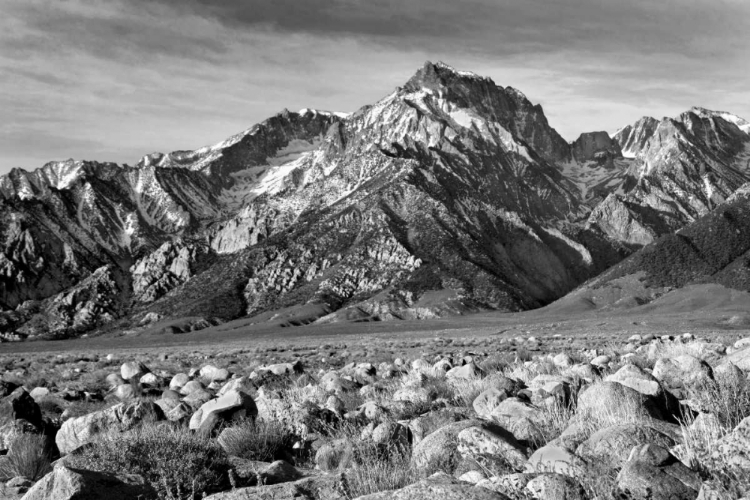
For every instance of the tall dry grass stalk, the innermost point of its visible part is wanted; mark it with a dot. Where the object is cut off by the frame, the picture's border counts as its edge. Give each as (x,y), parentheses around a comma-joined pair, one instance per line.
(29,456)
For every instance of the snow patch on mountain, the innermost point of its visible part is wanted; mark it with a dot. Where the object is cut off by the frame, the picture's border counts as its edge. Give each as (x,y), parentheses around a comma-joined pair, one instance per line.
(316,112)
(585,254)
(743,124)
(271,178)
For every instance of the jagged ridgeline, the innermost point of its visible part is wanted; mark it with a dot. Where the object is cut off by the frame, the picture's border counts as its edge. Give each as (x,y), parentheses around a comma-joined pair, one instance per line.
(450,195)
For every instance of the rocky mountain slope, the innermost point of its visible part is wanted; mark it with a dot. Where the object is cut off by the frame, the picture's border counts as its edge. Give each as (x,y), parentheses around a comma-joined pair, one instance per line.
(449,195)
(682,168)
(714,249)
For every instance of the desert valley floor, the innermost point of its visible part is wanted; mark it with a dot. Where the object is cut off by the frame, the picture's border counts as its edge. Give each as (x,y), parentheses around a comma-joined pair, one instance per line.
(719,315)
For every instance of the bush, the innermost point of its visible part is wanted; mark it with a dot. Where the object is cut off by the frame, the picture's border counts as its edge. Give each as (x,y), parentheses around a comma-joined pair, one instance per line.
(177,463)
(29,456)
(257,440)
(727,398)
(375,470)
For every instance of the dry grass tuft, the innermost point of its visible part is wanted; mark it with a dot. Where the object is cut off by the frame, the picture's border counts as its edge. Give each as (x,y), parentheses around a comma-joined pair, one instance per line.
(257,440)
(29,456)
(178,464)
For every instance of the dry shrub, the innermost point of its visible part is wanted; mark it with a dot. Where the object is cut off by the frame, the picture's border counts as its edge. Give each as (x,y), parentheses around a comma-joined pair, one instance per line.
(29,456)
(257,440)
(555,416)
(728,398)
(375,470)
(177,463)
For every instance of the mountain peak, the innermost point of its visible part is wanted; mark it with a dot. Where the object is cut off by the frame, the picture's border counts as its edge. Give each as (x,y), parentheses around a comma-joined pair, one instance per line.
(743,124)
(439,74)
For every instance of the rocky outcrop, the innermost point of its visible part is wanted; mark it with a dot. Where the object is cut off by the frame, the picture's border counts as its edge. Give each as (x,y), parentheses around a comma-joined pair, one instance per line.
(596,146)
(685,168)
(76,432)
(64,483)
(92,302)
(632,139)
(172,264)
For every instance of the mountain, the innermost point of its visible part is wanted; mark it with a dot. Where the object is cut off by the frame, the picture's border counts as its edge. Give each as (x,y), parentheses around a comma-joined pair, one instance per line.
(450,195)
(430,201)
(712,250)
(682,168)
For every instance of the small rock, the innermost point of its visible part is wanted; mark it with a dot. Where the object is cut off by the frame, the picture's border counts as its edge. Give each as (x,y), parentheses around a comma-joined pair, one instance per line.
(133,369)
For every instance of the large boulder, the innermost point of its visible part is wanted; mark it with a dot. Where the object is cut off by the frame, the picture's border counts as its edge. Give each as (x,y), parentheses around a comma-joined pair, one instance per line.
(508,484)
(740,358)
(637,379)
(555,459)
(520,418)
(390,433)
(64,483)
(441,446)
(468,371)
(333,382)
(278,472)
(486,402)
(555,487)
(316,487)
(612,445)
(19,405)
(231,406)
(414,395)
(426,424)
(652,473)
(124,392)
(734,448)
(684,373)
(440,487)
(281,368)
(214,374)
(133,369)
(179,381)
(492,441)
(190,387)
(76,432)
(617,402)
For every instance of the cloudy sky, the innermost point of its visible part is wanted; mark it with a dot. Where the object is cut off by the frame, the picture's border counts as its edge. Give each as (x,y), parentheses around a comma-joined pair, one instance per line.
(112,80)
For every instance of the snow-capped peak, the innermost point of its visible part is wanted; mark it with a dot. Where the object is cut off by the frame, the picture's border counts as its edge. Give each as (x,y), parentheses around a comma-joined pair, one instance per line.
(467,74)
(743,124)
(316,112)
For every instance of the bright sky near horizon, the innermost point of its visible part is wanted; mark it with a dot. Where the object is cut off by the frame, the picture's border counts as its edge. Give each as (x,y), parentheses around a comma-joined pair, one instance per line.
(114,80)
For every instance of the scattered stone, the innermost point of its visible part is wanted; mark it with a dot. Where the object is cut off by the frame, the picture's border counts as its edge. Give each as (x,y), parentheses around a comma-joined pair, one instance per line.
(652,473)
(437,487)
(734,448)
(133,369)
(612,445)
(555,459)
(64,483)
(490,441)
(555,487)
(487,401)
(468,371)
(682,373)
(520,418)
(214,374)
(76,432)
(231,406)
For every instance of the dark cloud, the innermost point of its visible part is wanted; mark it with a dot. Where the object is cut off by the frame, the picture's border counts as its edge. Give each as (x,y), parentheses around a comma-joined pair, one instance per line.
(689,27)
(122,31)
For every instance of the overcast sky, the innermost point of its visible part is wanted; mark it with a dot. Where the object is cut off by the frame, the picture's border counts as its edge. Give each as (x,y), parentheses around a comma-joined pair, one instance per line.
(114,80)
